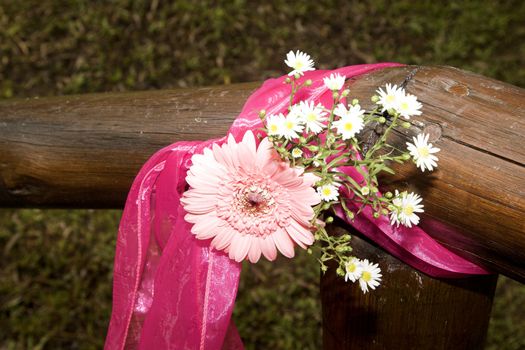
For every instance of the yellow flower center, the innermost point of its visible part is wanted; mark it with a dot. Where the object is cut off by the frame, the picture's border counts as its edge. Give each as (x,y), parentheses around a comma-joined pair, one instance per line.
(348,126)
(366,276)
(408,210)
(298,65)
(289,125)
(390,98)
(273,128)
(404,106)
(423,152)
(327,191)
(351,268)
(311,117)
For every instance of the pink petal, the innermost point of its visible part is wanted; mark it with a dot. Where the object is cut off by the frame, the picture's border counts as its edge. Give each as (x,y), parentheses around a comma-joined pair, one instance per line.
(264,152)
(283,243)
(300,233)
(231,140)
(223,238)
(192,218)
(239,247)
(196,182)
(194,196)
(254,254)
(302,207)
(268,248)
(303,220)
(306,196)
(310,179)
(222,156)
(249,141)
(288,178)
(246,157)
(207,161)
(206,228)
(197,206)
(212,169)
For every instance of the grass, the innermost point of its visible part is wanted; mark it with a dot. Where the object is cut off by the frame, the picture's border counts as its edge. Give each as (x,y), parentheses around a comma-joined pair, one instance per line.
(55,266)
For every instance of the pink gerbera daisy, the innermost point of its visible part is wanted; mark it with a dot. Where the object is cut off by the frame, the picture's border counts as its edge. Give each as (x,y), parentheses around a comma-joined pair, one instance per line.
(249,201)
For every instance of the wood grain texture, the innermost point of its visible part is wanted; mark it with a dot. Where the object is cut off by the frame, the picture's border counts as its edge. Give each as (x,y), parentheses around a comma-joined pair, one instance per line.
(408,311)
(475,199)
(83,151)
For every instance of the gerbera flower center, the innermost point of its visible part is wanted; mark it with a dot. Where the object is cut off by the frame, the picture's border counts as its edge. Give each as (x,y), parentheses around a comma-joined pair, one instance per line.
(366,276)
(348,126)
(390,98)
(253,206)
(289,125)
(255,200)
(274,128)
(403,106)
(351,268)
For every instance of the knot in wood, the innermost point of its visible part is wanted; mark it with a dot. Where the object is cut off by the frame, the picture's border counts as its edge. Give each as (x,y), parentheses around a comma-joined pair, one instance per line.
(434,131)
(459,90)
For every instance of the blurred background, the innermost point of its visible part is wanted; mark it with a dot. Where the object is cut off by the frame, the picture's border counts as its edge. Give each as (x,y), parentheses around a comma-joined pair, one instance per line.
(56,265)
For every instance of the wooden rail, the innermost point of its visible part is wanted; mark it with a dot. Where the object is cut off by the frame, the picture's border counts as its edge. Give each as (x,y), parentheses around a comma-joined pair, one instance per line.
(83,151)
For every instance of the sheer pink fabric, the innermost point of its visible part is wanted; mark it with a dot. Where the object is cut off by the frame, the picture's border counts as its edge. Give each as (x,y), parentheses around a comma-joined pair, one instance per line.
(171,291)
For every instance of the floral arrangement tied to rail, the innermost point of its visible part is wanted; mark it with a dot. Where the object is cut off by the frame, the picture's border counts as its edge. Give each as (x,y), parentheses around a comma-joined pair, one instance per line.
(291,162)
(254,200)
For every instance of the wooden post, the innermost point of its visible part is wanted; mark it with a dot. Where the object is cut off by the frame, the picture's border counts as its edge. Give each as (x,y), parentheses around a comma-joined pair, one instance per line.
(410,310)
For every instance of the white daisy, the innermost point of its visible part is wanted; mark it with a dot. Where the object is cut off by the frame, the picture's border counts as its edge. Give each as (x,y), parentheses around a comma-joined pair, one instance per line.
(406,205)
(297,153)
(370,276)
(334,82)
(354,111)
(275,125)
(313,116)
(351,121)
(299,61)
(396,201)
(423,153)
(390,97)
(353,270)
(328,192)
(292,126)
(409,106)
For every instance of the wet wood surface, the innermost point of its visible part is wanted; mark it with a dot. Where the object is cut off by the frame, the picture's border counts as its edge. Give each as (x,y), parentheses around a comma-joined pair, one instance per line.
(83,151)
(409,311)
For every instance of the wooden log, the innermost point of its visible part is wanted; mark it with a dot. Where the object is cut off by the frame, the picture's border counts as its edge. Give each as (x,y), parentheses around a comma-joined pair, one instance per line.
(476,197)
(408,311)
(83,151)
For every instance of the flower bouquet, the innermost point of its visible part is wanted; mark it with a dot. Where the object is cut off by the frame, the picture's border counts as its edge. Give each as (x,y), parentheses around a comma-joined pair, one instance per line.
(293,160)
(254,200)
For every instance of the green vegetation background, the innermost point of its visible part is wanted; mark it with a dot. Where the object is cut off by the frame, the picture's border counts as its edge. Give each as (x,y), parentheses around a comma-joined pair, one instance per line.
(55,265)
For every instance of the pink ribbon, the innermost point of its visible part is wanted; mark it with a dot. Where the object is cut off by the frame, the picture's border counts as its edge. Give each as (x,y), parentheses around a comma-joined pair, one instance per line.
(171,291)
